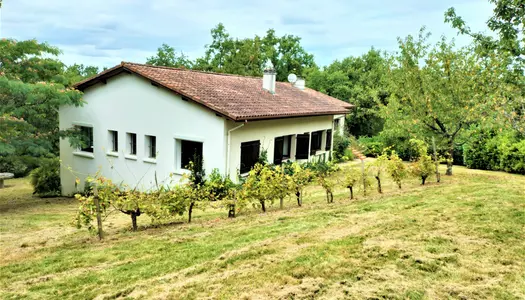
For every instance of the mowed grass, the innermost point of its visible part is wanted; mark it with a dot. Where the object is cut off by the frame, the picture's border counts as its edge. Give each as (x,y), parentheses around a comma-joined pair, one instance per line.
(462,239)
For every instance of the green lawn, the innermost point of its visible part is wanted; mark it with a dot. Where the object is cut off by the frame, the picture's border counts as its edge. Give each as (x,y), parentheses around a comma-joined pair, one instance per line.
(461,239)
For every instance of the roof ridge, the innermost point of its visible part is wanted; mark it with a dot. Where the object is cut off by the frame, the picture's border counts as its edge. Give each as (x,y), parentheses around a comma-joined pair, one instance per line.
(189,70)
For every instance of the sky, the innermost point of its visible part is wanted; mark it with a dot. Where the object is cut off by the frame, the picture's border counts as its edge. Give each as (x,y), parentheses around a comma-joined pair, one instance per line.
(105,32)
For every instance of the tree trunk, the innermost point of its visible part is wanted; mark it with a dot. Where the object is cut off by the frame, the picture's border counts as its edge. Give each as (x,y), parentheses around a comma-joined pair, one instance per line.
(450,159)
(134,220)
(299,201)
(379,185)
(438,176)
(190,210)
(351,192)
(281,204)
(231,211)
(423,179)
(263,207)
(329,197)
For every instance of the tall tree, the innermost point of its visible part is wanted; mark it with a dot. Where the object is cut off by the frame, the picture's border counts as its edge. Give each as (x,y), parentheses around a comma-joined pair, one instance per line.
(247,56)
(167,57)
(360,81)
(31,91)
(507,40)
(440,91)
(78,72)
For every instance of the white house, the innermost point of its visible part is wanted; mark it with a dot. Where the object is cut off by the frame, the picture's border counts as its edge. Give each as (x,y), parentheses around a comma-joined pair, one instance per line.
(145,123)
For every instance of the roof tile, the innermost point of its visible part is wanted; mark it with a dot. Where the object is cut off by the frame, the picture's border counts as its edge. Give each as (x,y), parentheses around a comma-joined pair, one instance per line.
(237,97)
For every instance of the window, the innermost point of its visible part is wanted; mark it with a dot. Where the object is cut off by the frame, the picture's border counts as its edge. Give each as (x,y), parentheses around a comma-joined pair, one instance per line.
(336,124)
(249,155)
(282,147)
(86,135)
(316,142)
(303,141)
(113,140)
(328,140)
(188,150)
(132,143)
(151,146)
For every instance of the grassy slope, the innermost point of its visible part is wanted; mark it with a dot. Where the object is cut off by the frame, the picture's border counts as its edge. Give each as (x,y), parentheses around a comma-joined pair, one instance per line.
(461,238)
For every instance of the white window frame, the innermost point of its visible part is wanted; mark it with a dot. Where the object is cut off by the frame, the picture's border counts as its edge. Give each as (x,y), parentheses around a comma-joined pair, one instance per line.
(130,155)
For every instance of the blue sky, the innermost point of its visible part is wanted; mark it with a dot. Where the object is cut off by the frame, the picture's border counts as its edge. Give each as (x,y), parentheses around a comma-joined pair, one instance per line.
(106,32)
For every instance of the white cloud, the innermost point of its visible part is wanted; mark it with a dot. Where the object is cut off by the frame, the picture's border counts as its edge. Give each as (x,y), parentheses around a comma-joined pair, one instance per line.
(105,32)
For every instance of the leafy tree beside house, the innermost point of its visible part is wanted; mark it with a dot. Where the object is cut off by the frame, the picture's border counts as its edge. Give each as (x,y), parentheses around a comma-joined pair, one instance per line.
(32,87)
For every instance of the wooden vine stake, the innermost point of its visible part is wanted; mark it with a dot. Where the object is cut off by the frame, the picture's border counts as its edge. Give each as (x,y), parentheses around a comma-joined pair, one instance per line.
(438,176)
(99,216)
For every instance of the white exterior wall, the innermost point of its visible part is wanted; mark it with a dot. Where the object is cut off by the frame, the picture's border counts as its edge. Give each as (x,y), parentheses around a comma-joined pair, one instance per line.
(341,129)
(129,103)
(266,131)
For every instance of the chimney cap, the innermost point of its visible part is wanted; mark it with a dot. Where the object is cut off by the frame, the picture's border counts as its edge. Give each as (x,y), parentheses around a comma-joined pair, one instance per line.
(268,67)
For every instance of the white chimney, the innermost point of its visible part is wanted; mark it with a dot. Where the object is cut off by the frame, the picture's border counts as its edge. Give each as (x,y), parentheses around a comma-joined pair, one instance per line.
(269,77)
(300,83)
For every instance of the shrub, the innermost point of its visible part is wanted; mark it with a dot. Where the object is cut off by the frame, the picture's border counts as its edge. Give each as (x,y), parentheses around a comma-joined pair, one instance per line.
(20,166)
(300,177)
(352,176)
(46,178)
(500,152)
(377,168)
(512,157)
(396,168)
(322,172)
(341,144)
(423,167)
(372,146)
(258,186)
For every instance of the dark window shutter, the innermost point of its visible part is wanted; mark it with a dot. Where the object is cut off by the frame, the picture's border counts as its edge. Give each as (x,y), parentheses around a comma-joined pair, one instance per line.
(249,155)
(328,139)
(303,141)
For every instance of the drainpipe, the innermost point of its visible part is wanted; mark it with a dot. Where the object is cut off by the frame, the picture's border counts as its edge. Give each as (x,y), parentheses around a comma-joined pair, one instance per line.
(229,146)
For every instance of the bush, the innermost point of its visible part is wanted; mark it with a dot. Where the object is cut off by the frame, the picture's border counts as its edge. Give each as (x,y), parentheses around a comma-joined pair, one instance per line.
(372,146)
(499,152)
(46,178)
(341,144)
(20,166)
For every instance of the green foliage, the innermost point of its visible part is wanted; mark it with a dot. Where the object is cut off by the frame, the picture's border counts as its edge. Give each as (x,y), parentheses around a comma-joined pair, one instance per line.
(46,178)
(20,166)
(352,178)
(300,177)
(78,72)
(161,204)
(167,57)
(500,152)
(372,146)
(377,168)
(436,91)
(424,166)
(248,56)
(322,173)
(259,186)
(360,81)
(32,88)
(396,168)
(340,146)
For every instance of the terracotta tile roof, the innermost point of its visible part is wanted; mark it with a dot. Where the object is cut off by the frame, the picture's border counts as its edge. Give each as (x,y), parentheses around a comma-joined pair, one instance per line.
(236,97)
